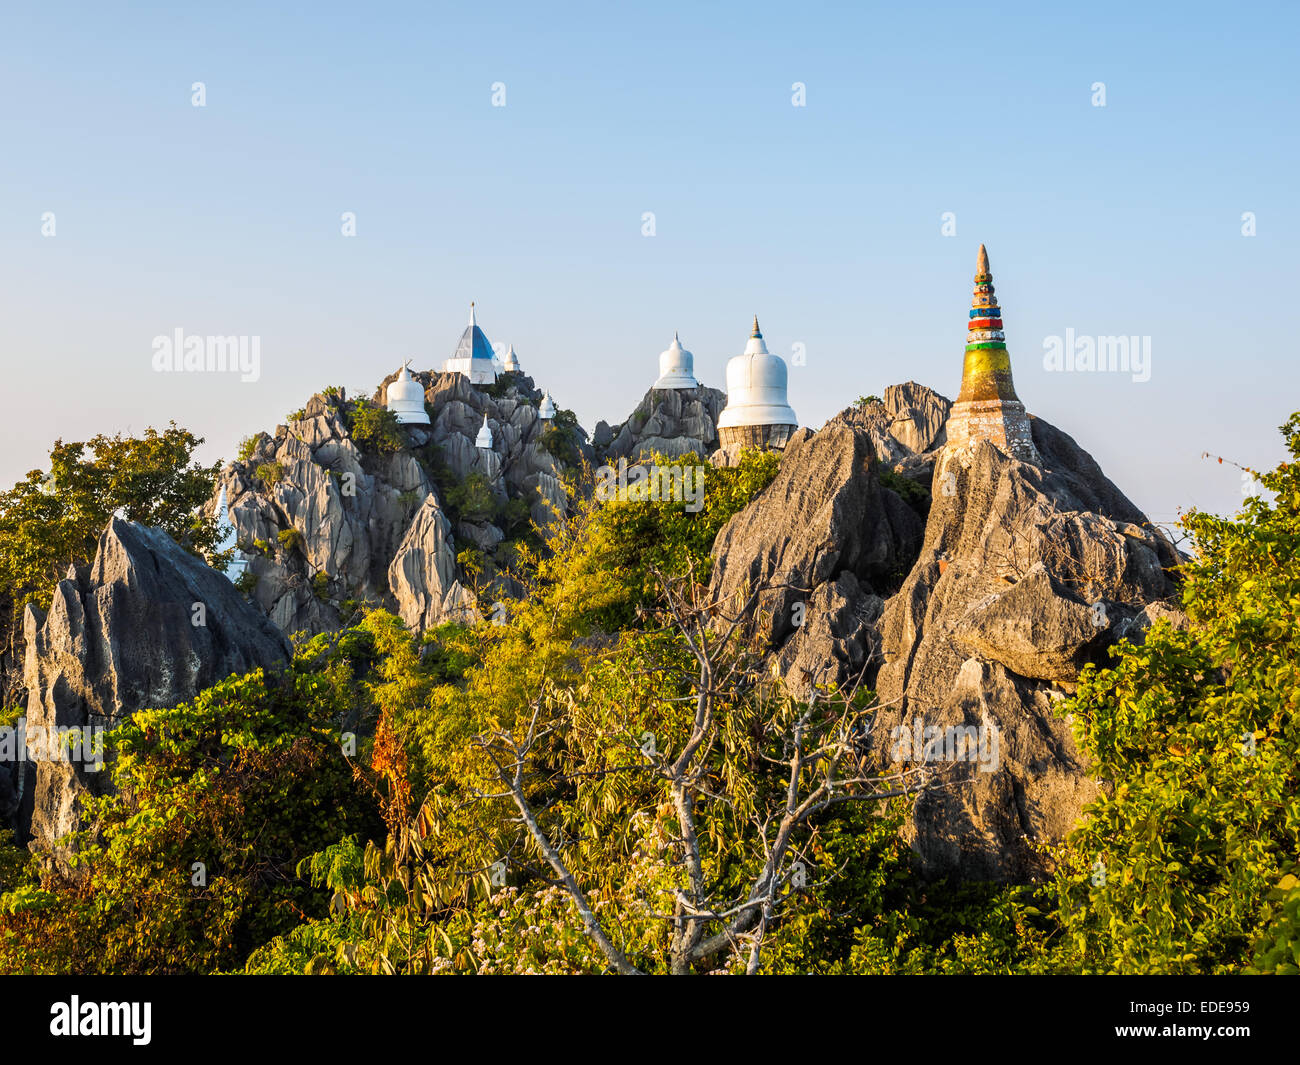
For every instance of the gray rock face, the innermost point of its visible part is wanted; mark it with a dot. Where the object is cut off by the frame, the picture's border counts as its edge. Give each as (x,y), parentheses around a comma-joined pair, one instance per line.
(671,422)
(338,521)
(824,538)
(423,572)
(838,630)
(978,619)
(120,636)
(917,416)
(1025,574)
(906,428)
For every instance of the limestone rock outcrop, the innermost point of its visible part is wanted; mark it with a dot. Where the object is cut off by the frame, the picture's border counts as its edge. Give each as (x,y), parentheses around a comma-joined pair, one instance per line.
(422,574)
(329,520)
(821,543)
(978,617)
(1026,574)
(671,422)
(906,427)
(145,625)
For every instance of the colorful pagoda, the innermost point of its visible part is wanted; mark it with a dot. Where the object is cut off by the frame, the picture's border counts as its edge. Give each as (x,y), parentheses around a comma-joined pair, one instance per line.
(987,407)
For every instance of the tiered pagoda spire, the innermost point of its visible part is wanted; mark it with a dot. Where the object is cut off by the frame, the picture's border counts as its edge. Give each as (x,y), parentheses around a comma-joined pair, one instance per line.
(987,407)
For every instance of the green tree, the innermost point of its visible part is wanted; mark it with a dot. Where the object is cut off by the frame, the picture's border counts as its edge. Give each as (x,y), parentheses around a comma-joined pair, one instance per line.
(635,539)
(53,519)
(472,499)
(532,825)
(561,438)
(190,863)
(1184,864)
(375,427)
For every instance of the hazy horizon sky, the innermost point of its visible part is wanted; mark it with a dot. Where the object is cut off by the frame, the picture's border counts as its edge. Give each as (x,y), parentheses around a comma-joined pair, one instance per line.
(826,220)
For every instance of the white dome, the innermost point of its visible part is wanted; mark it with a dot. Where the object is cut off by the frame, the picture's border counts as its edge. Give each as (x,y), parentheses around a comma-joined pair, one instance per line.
(406,399)
(512,361)
(756,388)
(676,367)
(546,409)
(484,438)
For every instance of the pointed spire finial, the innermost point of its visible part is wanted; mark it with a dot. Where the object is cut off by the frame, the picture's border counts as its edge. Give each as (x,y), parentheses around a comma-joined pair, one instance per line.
(676,338)
(982,261)
(471,313)
(755,333)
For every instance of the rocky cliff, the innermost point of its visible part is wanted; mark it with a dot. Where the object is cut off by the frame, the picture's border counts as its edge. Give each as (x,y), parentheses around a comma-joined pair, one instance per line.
(967,588)
(1021,576)
(145,625)
(825,541)
(671,422)
(337,509)
(1026,574)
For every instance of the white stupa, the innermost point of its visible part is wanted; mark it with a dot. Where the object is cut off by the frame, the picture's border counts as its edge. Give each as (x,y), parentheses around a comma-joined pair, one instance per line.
(473,356)
(512,361)
(238,563)
(546,409)
(676,367)
(484,438)
(757,412)
(406,399)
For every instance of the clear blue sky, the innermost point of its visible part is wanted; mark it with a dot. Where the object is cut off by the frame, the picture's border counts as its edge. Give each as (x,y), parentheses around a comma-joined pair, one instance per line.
(824,220)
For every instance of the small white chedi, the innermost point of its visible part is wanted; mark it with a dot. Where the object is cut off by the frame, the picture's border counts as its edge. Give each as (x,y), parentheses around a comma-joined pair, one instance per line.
(546,409)
(406,399)
(512,361)
(484,438)
(238,563)
(473,356)
(676,367)
(758,413)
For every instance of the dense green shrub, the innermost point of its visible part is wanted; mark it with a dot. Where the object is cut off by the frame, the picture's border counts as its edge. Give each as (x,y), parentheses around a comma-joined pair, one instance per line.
(246,780)
(375,427)
(291,539)
(1196,736)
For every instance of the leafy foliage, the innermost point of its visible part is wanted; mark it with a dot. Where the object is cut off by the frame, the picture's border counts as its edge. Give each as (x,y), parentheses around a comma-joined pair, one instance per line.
(246,779)
(291,539)
(50,521)
(375,427)
(472,499)
(269,473)
(915,495)
(1196,735)
(562,437)
(633,539)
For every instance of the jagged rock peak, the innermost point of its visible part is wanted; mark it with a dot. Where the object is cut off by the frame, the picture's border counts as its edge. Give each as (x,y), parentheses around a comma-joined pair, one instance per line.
(668,421)
(145,625)
(332,519)
(1024,573)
